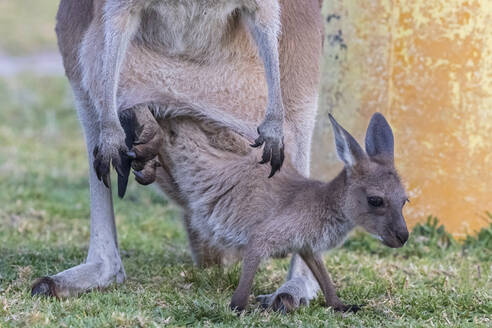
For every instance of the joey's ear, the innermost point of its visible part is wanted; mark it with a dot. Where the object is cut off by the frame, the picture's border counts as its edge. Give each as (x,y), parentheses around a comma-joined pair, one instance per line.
(348,149)
(379,137)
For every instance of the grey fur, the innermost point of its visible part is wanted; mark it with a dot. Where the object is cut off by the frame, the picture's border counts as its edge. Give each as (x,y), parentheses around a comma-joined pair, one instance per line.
(379,137)
(230,206)
(348,149)
(194,58)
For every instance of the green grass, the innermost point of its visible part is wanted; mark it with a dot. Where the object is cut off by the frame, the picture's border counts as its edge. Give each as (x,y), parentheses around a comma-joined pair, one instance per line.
(27,26)
(44,228)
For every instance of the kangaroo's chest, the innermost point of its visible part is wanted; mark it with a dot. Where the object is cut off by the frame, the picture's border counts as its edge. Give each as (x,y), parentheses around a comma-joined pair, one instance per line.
(193,29)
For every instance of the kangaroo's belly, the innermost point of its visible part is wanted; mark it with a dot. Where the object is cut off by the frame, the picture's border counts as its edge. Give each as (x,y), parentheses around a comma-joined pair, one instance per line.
(196,53)
(193,29)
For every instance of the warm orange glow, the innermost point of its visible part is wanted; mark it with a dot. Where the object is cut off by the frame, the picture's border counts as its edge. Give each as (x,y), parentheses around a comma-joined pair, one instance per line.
(427,65)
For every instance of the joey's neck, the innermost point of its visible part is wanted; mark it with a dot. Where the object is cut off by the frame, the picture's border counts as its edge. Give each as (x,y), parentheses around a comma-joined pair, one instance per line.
(317,199)
(334,194)
(316,213)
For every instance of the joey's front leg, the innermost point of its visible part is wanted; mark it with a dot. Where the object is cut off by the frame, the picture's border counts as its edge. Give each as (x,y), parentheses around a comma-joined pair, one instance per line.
(120,22)
(315,263)
(264,26)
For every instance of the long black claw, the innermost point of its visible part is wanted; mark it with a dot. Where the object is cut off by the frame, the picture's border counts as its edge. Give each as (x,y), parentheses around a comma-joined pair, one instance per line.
(123,170)
(275,168)
(119,169)
(277,160)
(127,120)
(106,180)
(98,173)
(258,143)
(122,185)
(267,154)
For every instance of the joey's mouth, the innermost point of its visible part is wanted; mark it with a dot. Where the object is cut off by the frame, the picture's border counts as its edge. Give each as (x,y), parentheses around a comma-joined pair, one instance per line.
(395,242)
(378,237)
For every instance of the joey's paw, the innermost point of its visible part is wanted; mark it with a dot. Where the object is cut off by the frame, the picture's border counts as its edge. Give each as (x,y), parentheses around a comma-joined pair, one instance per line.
(147,174)
(44,287)
(347,308)
(289,297)
(270,134)
(236,308)
(144,138)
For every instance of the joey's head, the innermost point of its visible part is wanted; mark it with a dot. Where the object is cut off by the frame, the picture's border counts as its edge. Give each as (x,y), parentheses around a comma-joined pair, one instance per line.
(374,196)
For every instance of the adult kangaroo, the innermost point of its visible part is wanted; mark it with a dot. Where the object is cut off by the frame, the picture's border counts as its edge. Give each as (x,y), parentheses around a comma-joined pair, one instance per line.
(242,64)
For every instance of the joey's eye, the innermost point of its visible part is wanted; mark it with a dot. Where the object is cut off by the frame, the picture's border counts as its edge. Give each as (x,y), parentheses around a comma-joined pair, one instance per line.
(375,201)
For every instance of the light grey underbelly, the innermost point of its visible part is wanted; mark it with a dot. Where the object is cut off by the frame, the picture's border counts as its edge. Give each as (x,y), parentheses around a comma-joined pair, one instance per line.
(191,29)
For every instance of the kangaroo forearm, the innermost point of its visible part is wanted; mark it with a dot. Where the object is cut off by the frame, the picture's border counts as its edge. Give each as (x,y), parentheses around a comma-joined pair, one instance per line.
(265,36)
(264,25)
(120,24)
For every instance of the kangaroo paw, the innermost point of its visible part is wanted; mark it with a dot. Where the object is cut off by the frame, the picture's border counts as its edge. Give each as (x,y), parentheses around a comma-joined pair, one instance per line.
(110,150)
(270,134)
(289,297)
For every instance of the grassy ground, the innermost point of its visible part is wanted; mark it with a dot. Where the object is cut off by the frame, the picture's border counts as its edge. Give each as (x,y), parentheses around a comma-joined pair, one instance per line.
(27,26)
(44,228)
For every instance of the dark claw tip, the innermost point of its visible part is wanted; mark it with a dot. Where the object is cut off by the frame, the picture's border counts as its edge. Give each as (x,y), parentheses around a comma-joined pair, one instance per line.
(236,309)
(95,151)
(44,287)
(263,161)
(98,174)
(349,308)
(105,180)
(119,170)
(354,308)
(256,144)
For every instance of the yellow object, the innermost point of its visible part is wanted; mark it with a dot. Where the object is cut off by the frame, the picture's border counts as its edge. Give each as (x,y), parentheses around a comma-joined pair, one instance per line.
(427,66)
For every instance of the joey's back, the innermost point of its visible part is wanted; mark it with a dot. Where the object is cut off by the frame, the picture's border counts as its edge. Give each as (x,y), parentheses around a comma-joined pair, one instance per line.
(221,182)
(231,201)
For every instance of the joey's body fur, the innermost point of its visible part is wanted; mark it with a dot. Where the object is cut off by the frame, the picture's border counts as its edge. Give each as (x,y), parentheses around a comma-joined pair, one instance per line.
(217,179)
(239,64)
(224,199)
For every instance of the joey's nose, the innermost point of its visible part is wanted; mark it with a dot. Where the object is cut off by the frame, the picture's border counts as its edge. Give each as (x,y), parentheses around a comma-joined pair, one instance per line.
(402,236)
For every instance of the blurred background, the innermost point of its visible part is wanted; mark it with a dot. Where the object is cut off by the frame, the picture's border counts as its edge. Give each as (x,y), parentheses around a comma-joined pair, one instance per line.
(427,65)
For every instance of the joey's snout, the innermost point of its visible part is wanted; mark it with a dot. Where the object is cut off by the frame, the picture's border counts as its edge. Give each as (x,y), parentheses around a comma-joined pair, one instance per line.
(396,239)
(402,236)
(399,234)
